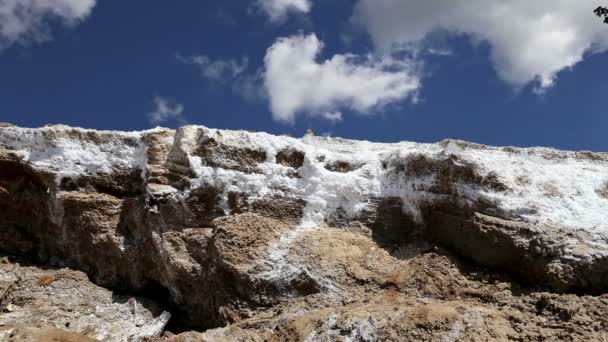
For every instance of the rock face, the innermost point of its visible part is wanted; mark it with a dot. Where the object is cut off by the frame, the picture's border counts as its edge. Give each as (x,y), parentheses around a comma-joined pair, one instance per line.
(62,305)
(268,237)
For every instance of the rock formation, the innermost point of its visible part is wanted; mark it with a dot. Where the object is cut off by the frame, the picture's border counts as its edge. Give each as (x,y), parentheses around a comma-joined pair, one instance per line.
(249,236)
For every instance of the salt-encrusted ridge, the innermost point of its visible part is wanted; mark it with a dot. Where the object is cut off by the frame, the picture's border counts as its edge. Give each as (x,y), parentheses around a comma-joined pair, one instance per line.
(71,151)
(546,186)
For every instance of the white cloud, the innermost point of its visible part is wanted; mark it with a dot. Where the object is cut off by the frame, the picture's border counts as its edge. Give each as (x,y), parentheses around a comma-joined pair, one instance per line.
(165,111)
(247,85)
(297,83)
(277,10)
(24,21)
(334,116)
(530,40)
(219,70)
(250,86)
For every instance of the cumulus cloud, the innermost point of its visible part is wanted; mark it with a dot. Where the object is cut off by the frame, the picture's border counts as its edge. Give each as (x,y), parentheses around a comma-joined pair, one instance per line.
(166,110)
(24,21)
(531,41)
(277,10)
(297,83)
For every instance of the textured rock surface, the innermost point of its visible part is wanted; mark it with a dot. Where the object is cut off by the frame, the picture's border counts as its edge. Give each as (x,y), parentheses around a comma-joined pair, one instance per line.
(62,305)
(269,237)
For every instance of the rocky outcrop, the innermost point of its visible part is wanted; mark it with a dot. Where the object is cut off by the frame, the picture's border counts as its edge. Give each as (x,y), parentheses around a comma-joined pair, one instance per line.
(63,305)
(535,254)
(278,237)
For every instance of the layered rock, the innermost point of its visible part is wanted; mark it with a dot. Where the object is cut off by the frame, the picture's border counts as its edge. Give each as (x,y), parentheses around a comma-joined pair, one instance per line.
(227,226)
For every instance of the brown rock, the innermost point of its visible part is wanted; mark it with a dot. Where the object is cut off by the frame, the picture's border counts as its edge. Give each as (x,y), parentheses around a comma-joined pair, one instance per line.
(449,171)
(70,308)
(537,254)
(282,209)
(217,154)
(341,166)
(291,158)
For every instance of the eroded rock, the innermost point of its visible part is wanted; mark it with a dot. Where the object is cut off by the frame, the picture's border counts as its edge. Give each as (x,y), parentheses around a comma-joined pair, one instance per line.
(340,166)
(430,296)
(603,191)
(331,239)
(63,305)
(536,253)
(291,158)
(449,172)
(216,154)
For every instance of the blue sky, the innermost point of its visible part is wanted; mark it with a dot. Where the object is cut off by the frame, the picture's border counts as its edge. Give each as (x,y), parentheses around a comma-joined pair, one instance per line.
(382,70)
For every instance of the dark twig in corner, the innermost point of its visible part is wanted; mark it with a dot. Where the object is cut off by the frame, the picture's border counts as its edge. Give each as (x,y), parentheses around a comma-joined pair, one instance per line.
(5,291)
(8,287)
(602,12)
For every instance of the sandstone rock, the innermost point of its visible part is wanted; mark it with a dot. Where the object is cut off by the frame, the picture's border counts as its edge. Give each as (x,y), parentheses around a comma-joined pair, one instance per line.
(217,153)
(159,144)
(276,238)
(291,158)
(429,297)
(536,254)
(70,308)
